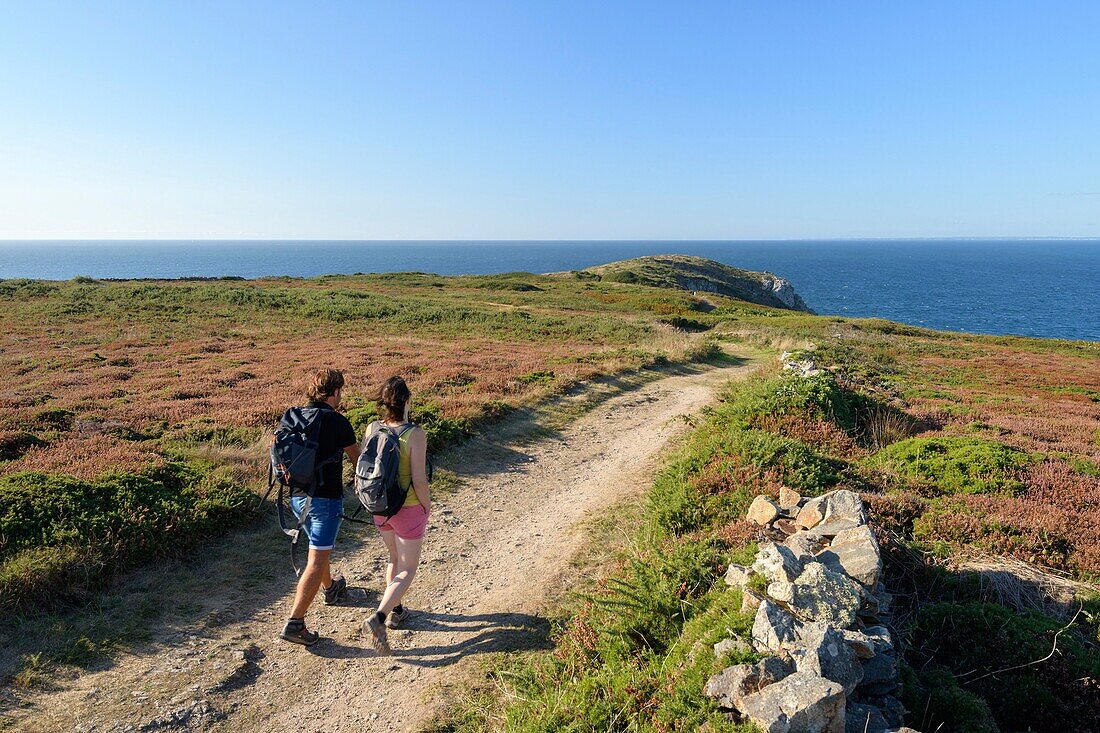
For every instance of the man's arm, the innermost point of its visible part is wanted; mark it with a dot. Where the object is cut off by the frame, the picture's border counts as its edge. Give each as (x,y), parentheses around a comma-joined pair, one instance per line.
(347,437)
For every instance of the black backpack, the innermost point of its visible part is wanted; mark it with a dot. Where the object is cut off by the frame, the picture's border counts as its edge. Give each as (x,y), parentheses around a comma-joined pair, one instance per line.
(294,460)
(295,465)
(376,472)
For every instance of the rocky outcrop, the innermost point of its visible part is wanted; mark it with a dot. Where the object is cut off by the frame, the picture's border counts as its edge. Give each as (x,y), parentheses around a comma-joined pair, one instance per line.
(831,664)
(702,275)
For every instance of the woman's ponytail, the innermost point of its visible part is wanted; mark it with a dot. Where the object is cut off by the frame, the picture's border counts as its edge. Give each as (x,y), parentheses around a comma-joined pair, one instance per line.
(392,397)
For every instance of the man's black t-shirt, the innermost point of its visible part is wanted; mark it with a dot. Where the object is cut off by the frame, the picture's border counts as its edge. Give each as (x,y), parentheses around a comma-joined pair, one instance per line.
(335,434)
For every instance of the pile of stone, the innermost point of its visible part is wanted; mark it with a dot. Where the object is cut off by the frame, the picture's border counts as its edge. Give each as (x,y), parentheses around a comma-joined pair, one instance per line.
(799,362)
(832,666)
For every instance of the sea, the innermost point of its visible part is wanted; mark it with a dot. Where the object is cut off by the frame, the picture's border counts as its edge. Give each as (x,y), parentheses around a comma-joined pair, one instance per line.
(1030,287)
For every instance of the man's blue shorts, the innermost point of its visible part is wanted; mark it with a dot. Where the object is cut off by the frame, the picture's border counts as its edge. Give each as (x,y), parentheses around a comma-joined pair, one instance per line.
(323,521)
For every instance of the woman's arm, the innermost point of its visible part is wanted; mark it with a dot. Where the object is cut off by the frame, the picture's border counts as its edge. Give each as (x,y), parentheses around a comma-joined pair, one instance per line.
(418,458)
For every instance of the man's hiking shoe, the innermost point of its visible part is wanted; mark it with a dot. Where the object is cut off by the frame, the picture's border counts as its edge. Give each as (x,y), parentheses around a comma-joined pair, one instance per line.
(336,592)
(394,619)
(377,631)
(297,633)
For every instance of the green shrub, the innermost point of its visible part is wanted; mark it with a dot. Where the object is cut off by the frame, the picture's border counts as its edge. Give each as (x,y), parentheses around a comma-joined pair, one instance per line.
(797,464)
(818,397)
(608,674)
(540,377)
(687,324)
(53,419)
(986,652)
(651,601)
(934,695)
(220,435)
(60,534)
(15,444)
(966,465)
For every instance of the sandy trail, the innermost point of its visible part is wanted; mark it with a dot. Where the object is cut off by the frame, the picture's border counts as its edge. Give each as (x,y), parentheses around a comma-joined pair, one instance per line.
(496,548)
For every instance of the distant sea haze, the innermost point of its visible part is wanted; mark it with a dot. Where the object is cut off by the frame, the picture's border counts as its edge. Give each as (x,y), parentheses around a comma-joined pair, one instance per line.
(1047,287)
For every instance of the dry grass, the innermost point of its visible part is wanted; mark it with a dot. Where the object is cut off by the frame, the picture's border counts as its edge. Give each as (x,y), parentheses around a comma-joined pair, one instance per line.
(1021,586)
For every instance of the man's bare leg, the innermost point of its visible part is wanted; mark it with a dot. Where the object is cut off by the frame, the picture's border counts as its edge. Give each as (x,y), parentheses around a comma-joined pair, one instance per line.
(317,573)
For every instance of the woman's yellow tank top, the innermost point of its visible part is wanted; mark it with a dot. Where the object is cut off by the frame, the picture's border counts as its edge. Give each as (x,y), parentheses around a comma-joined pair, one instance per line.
(404,469)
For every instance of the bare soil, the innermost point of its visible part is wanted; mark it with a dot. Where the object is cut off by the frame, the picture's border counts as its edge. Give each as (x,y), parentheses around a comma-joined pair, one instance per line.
(497,551)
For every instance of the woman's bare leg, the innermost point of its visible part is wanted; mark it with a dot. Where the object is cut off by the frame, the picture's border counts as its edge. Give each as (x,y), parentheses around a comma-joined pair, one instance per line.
(391,545)
(408,558)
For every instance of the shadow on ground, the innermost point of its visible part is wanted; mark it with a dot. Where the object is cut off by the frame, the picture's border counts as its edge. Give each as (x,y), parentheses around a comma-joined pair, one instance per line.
(493,632)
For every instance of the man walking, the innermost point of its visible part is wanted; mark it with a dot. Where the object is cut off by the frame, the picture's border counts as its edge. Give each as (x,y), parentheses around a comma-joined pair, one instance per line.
(324,508)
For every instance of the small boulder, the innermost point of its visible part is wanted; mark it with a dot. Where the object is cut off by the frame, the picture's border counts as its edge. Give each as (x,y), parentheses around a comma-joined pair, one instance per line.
(728,646)
(881,637)
(774,629)
(811,513)
(880,674)
(786,526)
(799,703)
(750,601)
(855,553)
(826,654)
(844,505)
(860,718)
(781,591)
(819,594)
(730,686)
(890,707)
(805,545)
(776,562)
(789,498)
(862,644)
(884,602)
(762,510)
(738,575)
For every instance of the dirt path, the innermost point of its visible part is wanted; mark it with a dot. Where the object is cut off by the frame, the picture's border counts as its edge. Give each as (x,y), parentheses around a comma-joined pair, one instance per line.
(496,547)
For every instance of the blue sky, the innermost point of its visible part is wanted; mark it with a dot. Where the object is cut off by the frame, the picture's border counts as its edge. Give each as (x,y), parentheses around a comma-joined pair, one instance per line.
(637,120)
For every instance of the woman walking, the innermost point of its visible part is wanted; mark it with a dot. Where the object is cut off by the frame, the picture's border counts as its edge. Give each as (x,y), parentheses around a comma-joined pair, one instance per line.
(403,533)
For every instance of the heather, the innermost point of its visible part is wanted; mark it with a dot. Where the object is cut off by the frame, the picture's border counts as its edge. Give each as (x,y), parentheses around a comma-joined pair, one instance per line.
(634,652)
(963,447)
(136,405)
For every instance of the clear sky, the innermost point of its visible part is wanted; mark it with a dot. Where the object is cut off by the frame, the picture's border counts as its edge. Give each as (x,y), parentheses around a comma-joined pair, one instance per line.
(633,120)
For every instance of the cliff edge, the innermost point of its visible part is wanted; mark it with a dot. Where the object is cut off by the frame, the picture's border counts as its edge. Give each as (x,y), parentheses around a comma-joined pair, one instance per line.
(702,274)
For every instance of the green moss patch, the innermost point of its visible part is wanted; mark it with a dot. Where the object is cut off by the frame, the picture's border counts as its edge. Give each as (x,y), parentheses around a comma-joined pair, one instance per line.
(955,465)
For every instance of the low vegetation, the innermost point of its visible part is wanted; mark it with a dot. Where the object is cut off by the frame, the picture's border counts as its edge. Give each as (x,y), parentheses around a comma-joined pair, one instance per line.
(134,412)
(943,484)
(137,405)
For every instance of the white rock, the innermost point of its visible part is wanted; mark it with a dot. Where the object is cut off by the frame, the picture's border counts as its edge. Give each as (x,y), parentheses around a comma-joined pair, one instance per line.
(855,552)
(776,562)
(799,703)
(826,653)
(738,575)
(774,629)
(762,510)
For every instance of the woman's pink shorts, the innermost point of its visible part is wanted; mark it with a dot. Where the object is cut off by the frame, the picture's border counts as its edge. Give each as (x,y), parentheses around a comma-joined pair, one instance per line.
(409,523)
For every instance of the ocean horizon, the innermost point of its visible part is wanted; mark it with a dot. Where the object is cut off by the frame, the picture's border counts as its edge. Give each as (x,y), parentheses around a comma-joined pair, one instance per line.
(1030,287)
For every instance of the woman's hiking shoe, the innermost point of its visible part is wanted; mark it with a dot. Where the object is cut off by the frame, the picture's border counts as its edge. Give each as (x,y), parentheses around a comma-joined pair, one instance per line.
(336,592)
(396,616)
(377,630)
(296,632)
